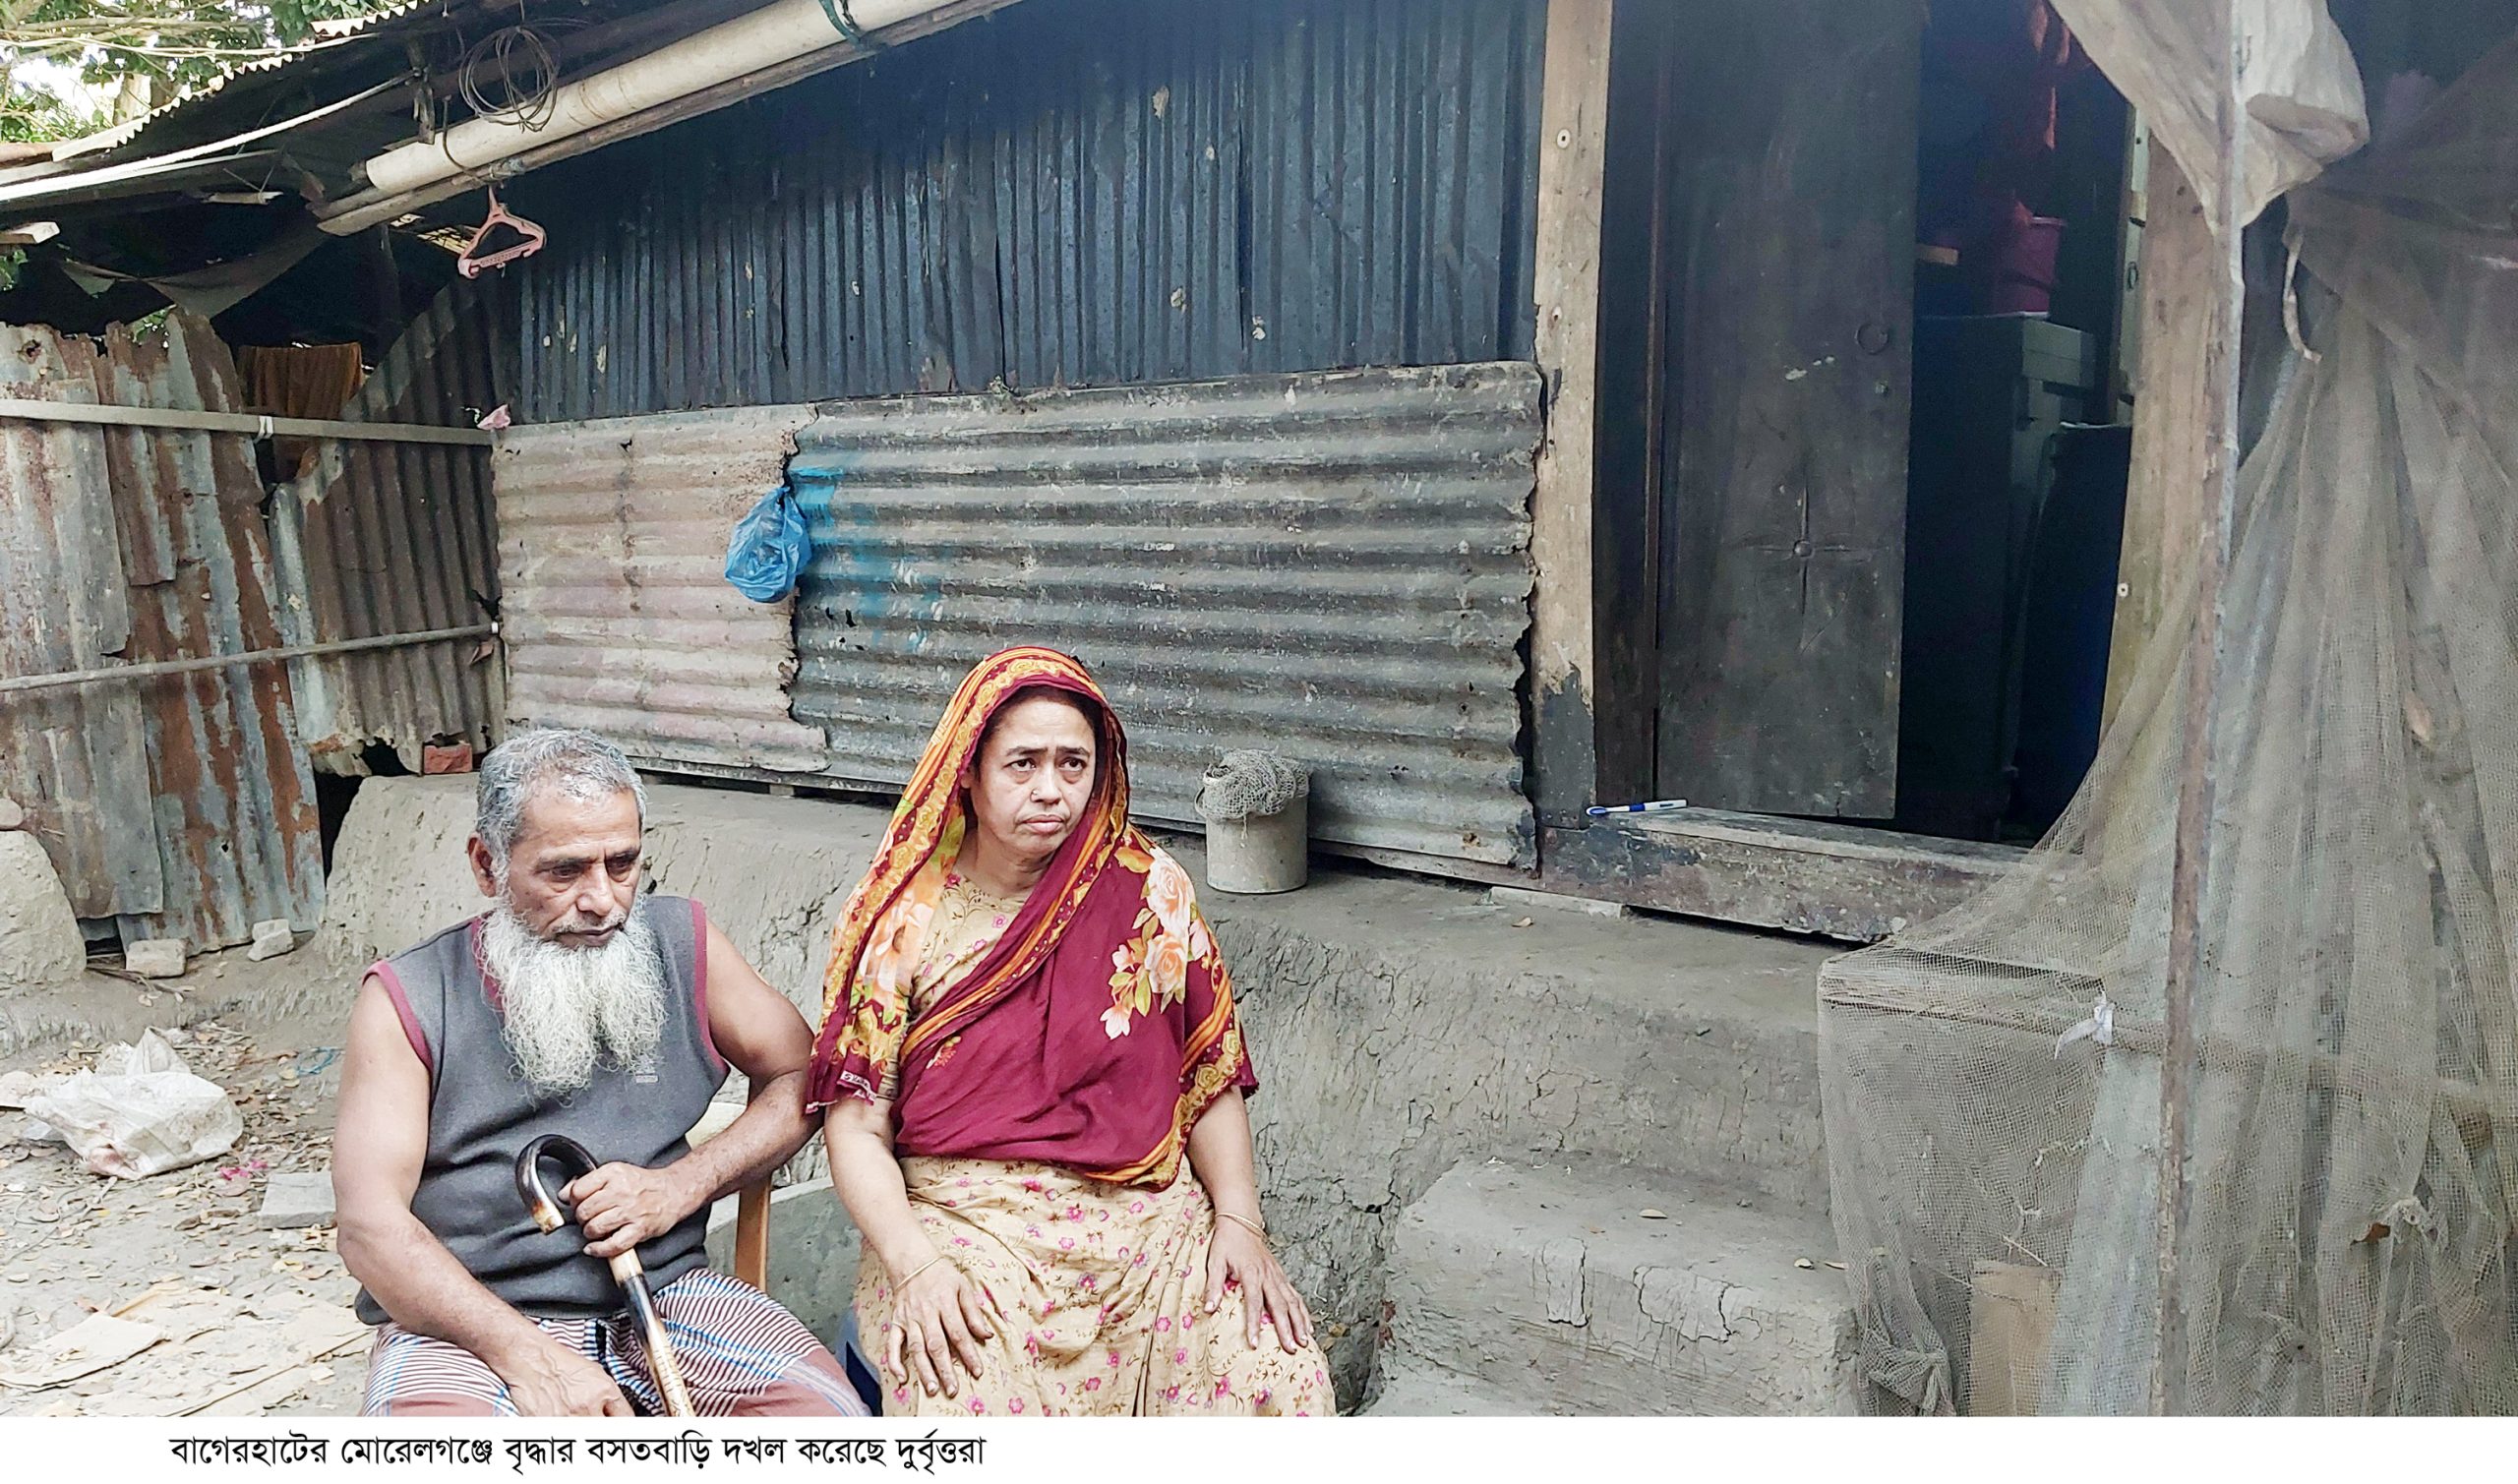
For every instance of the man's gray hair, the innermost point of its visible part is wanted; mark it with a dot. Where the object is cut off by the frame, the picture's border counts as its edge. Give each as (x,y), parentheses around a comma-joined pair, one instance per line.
(578,765)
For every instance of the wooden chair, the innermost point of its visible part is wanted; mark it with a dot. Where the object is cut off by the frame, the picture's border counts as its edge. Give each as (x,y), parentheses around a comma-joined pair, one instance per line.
(752,1204)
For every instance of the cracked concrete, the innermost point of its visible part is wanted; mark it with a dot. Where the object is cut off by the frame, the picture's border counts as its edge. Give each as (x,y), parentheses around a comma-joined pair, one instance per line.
(1690,1305)
(1701,1311)
(40,941)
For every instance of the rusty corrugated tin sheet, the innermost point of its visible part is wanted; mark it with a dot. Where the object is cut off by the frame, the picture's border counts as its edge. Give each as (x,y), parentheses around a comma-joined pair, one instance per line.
(77,760)
(164,531)
(617,615)
(387,538)
(1333,565)
(1067,193)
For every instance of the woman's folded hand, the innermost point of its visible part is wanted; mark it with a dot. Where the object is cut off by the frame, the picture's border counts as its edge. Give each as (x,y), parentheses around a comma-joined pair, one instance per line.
(941,1319)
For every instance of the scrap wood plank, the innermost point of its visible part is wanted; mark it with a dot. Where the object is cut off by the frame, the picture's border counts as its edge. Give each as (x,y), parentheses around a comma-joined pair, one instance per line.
(93,1344)
(255,1390)
(2011,1325)
(208,1352)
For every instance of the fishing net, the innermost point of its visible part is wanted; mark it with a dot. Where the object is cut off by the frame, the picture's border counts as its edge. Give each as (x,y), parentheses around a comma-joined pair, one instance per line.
(1992,1081)
(1249,784)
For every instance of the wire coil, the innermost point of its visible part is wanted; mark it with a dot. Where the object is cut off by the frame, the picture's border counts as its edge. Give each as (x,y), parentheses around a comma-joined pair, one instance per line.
(509,77)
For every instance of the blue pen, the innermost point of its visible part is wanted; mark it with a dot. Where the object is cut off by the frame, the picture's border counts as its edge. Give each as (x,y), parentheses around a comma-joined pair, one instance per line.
(1657,807)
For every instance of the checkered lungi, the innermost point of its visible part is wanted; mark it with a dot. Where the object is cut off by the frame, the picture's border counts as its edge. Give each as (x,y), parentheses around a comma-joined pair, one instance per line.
(742,1353)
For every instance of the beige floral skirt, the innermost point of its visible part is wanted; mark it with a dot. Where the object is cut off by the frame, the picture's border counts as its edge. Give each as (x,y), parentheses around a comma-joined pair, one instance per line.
(1102,1287)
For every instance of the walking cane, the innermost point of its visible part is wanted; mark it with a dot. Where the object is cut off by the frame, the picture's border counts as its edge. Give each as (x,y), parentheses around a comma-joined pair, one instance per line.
(626,1271)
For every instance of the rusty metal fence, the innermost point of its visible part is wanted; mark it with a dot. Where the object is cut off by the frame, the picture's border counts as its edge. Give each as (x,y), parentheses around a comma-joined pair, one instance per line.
(148,724)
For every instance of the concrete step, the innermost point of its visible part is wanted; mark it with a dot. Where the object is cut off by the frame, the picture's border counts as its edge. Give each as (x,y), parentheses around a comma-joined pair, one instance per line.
(98,1009)
(1415,1389)
(1551,1284)
(1390,1014)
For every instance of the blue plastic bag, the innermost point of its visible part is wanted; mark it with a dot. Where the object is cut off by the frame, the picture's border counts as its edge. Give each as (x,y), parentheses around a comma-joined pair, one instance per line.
(769,549)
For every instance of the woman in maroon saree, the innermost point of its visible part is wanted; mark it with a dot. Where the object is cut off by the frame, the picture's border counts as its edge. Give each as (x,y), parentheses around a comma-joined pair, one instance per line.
(1034,1076)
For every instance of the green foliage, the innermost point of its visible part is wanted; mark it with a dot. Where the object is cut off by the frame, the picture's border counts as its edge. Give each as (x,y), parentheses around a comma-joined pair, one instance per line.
(170,47)
(31,114)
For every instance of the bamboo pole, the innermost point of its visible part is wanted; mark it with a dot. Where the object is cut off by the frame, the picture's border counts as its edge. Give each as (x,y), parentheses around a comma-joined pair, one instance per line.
(2171,1385)
(194,420)
(153,668)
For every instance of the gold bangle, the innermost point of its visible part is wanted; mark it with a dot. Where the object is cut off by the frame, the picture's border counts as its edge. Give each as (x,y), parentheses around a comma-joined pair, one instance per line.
(1258,1231)
(899,1283)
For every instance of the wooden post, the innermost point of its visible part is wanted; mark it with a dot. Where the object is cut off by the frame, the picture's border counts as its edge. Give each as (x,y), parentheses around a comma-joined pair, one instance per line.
(2171,1392)
(2164,500)
(1573,153)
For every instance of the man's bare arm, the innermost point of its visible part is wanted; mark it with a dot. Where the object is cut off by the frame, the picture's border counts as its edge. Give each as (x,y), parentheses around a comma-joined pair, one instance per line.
(379,1144)
(760,1034)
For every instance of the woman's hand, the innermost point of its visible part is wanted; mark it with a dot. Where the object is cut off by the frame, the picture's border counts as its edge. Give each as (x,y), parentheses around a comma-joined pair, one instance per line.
(1239,1256)
(939,1318)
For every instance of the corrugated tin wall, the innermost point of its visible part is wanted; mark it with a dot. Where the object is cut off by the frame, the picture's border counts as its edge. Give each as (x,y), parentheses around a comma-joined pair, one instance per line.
(387,538)
(1334,566)
(612,554)
(1066,192)
(138,545)
(77,760)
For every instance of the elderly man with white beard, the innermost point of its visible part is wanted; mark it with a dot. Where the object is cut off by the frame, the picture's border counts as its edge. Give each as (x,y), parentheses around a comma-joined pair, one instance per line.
(575,1006)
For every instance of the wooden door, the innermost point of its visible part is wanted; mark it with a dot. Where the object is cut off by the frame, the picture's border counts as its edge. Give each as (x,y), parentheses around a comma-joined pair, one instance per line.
(1788,262)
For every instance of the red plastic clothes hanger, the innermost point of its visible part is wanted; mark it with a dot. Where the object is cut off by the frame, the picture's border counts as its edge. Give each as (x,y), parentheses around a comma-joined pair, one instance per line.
(471,266)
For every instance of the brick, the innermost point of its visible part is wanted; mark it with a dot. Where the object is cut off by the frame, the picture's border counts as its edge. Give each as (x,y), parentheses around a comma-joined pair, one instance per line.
(154,958)
(272,938)
(293,1201)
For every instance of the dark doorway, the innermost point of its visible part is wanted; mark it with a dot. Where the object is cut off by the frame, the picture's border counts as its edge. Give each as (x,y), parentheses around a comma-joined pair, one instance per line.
(1860,501)
(2016,494)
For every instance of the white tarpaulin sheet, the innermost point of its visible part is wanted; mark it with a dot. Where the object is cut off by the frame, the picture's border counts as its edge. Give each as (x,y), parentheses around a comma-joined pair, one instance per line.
(2298,82)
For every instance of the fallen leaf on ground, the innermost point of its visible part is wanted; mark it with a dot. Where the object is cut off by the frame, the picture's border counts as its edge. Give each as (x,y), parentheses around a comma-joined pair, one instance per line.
(1653,1213)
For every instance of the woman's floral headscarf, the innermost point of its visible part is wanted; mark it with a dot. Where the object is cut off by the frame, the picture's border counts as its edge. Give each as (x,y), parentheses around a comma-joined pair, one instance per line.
(1096,1030)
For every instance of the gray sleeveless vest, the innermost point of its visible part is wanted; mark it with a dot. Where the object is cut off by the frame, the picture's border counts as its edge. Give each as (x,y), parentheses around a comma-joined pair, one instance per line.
(482,1112)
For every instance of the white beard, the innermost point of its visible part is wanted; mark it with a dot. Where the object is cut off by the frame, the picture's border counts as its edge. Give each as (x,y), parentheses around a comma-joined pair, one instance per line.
(568,1010)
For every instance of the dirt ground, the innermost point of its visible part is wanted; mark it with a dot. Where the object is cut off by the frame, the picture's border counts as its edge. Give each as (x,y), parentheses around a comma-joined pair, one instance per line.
(240,1321)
